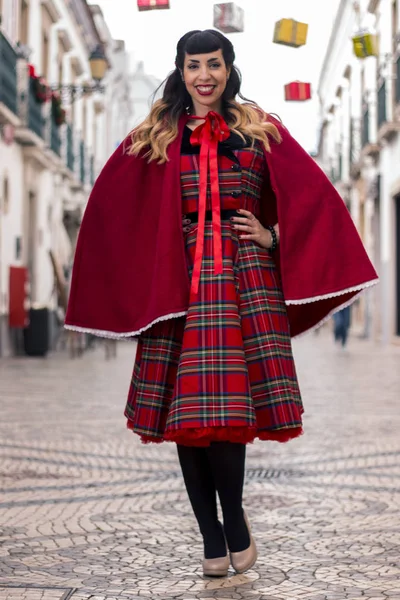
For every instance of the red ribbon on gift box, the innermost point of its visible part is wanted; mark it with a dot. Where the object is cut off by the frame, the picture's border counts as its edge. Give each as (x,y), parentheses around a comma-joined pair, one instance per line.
(152,4)
(297,91)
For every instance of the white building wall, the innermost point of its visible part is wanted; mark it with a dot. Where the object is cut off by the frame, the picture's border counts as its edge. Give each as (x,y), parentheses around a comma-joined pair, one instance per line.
(143,87)
(375,218)
(10,19)
(11,225)
(390,186)
(55,188)
(340,92)
(389,168)
(44,273)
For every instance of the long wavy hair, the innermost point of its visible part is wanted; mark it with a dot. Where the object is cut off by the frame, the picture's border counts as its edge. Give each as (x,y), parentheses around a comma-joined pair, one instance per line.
(152,137)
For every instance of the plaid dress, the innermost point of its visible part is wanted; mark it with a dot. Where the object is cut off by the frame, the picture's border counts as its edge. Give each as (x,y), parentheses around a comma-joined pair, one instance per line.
(225,372)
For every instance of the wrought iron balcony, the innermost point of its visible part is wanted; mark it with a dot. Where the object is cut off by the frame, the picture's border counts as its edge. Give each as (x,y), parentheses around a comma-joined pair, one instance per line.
(55,137)
(8,76)
(36,120)
(387,125)
(32,130)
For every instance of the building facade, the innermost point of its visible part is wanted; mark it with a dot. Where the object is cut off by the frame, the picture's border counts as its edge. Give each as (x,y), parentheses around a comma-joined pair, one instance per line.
(56,132)
(143,87)
(360,145)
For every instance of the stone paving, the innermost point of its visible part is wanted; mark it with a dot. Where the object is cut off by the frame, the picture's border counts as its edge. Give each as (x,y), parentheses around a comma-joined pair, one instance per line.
(87,512)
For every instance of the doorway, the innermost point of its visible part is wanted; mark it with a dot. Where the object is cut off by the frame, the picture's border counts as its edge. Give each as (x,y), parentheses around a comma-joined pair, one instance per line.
(32,243)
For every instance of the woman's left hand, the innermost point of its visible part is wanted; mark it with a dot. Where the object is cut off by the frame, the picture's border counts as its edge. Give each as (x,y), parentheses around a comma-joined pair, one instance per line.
(253,228)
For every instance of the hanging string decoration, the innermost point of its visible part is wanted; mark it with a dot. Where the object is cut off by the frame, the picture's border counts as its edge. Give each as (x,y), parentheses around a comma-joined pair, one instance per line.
(289,32)
(152,4)
(229,17)
(297,91)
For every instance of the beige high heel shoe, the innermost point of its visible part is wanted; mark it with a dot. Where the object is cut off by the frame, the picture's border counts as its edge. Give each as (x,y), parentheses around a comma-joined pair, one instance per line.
(216,567)
(244,560)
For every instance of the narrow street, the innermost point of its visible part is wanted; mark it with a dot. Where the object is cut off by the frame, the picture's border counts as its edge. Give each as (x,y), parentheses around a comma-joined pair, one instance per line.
(87,512)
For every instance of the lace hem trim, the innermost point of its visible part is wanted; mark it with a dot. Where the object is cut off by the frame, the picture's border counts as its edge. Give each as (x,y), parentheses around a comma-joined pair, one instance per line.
(128,334)
(356,288)
(325,319)
(125,334)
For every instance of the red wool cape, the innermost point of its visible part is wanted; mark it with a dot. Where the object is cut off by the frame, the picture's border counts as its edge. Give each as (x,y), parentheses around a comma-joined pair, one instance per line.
(130,269)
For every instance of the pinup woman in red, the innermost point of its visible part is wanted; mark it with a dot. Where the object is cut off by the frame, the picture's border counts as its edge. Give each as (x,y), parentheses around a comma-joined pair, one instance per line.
(246,244)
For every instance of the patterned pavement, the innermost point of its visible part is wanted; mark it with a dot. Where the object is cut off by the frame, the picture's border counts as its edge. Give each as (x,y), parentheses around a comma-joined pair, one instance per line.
(87,512)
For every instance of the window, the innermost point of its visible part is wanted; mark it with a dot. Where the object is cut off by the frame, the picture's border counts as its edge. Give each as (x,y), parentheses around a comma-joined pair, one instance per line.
(23,23)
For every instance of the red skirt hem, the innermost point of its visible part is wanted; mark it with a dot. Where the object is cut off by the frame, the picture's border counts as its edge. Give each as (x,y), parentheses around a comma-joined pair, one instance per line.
(204,436)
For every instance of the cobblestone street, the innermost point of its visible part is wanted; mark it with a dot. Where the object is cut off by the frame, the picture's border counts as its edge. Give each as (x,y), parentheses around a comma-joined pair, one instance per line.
(87,512)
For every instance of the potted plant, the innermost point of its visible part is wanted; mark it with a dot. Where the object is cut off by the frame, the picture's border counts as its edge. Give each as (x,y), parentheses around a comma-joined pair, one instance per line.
(39,85)
(57,110)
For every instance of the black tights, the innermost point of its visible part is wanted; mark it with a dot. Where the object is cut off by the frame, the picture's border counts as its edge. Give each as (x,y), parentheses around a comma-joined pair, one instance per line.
(217,468)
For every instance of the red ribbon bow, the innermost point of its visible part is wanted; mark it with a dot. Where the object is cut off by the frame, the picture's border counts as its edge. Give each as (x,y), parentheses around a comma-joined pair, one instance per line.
(207,135)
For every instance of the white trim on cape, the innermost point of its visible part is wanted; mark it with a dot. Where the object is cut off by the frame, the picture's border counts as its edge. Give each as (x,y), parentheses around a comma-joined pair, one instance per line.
(114,335)
(359,288)
(126,334)
(356,288)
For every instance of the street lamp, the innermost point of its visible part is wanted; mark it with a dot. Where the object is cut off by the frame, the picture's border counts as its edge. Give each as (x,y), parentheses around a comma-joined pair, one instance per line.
(98,64)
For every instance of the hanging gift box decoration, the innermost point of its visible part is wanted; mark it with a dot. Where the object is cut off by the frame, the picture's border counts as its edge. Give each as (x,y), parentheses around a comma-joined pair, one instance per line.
(152,4)
(365,44)
(289,32)
(229,17)
(297,91)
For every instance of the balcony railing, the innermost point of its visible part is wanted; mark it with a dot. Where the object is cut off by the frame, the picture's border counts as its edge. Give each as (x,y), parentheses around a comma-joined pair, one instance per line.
(382,118)
(35,117)
(55,138)
(8,75)
(82,161)
(70,148)
(365,127)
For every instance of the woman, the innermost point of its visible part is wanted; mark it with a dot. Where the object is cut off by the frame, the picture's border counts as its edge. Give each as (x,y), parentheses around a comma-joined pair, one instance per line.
(213,237)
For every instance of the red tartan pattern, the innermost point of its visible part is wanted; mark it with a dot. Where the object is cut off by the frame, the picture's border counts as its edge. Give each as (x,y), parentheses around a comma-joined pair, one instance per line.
(226,370)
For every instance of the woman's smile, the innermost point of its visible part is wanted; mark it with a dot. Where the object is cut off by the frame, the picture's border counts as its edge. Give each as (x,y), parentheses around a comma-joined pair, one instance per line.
(205,90)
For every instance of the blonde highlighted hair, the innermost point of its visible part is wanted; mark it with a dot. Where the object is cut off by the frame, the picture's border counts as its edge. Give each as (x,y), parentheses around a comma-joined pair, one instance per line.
(152,138)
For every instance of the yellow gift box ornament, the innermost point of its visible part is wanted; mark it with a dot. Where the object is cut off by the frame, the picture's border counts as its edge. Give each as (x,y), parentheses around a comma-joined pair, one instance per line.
(290,33)
(365,44)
